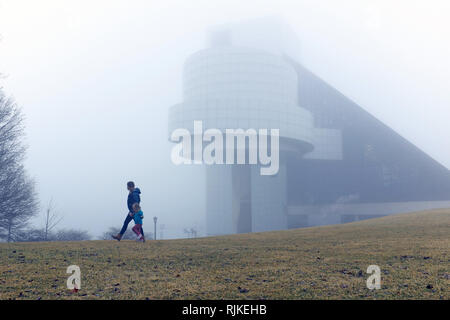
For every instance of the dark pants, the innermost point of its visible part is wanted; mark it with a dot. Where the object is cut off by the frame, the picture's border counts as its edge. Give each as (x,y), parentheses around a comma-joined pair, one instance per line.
(125,225)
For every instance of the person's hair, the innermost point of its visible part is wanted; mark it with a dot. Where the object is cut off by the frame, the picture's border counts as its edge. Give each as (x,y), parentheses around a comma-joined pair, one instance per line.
(136,206)
(130,184)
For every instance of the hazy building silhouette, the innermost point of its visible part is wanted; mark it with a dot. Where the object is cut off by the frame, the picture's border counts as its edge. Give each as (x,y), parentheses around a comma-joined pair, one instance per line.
(337,162)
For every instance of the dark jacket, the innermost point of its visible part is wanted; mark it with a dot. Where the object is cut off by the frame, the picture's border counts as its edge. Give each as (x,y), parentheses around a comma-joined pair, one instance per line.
(133,197)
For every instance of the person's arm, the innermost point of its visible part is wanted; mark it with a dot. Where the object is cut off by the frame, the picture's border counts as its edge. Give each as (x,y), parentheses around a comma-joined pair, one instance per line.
(136,198)
(130,205)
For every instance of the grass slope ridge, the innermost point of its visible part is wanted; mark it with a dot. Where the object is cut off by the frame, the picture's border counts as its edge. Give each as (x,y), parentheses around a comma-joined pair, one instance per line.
(328,262)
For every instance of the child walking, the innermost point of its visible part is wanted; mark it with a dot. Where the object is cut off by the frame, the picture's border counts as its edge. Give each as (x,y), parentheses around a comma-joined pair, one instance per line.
(137,217)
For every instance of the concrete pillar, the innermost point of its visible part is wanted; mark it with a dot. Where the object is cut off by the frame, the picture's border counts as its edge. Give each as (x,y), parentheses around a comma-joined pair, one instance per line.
(219,204)
(269,200)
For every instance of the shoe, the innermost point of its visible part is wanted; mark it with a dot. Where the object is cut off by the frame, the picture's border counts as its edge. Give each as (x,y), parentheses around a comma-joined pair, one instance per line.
(143,239)
(118,236)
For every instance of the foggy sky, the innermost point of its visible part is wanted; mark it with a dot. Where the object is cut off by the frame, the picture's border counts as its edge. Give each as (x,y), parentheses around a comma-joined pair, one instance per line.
(96,78)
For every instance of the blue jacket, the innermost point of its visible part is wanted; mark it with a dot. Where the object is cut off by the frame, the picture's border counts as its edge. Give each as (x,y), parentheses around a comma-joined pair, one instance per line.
(138,216)
(133,197)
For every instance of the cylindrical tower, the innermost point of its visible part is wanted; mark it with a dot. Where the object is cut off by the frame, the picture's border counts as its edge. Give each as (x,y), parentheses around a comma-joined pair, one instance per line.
(242,88)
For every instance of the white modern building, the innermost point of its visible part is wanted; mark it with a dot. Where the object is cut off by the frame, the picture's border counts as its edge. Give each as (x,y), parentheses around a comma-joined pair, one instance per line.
(249,76)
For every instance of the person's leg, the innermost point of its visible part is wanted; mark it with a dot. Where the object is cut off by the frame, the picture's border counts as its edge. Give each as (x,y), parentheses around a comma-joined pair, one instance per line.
(124,228)
(125,224)
(135,230)
(141,235)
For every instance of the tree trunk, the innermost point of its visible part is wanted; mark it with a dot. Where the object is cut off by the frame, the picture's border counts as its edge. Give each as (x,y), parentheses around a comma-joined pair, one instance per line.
(9,230)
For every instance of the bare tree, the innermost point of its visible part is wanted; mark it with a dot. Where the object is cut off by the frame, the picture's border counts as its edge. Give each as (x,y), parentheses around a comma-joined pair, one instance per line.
(191,232)
(72,235)
(18,202)
(51,219)
(32,235)
(35,235)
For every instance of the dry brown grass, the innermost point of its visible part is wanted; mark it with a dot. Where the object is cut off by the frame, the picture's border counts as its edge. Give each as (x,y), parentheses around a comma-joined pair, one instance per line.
(329,262)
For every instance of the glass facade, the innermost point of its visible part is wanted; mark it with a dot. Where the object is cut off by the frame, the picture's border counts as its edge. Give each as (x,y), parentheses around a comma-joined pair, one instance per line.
(231,88)
(337,162)
(377,165)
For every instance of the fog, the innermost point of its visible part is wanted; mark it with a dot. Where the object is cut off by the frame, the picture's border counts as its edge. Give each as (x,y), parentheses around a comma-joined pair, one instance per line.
(96,78)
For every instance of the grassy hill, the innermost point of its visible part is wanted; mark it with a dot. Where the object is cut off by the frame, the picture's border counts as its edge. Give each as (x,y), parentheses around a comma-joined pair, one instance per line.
(412,251)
